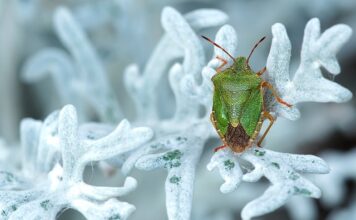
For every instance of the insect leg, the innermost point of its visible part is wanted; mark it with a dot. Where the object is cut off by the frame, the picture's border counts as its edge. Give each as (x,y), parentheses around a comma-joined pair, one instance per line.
(274,92)
(222,65)
(271,121)
(262,71)
(219,148)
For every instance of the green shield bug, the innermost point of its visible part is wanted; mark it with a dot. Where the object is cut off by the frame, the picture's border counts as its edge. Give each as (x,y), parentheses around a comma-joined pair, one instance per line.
(238,102)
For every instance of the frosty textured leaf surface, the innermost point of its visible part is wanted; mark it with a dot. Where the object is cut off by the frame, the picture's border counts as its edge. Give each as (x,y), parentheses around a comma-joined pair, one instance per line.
(229,169)
(57,150)
(281,169)
(178,148)
(308,83)
(142,87)
(181,164)
(63,187)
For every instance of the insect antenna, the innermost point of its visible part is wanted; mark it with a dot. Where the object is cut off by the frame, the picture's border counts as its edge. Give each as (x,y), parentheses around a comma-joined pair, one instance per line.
(218,46)
(253,49)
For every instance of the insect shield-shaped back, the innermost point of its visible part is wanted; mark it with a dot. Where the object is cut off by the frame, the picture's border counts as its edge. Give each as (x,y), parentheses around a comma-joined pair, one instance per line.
(237,105)
(238,102)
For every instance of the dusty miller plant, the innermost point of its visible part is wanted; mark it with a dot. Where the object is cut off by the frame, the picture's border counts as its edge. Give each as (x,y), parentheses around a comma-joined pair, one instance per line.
(307,84)
(57,150)
(55,153)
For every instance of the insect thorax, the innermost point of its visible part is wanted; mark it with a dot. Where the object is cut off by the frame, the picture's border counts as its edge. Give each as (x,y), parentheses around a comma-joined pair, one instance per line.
(240,65)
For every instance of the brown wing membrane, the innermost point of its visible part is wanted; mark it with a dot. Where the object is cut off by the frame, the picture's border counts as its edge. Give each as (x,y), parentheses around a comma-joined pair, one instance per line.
(237,138)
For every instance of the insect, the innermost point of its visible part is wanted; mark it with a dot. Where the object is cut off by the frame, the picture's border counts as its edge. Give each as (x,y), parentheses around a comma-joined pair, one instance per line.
(238,102)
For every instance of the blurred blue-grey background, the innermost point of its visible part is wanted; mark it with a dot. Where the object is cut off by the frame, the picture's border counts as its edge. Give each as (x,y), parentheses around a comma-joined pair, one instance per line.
(126,31)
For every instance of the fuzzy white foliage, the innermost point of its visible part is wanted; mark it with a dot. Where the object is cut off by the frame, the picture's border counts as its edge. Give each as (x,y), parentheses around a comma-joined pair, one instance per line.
(181,164)
(307,84)
(180,41)
(42,195)
(77,72)
(179,140)
(62,150)
(235,201)
(281,169)
(226,162)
